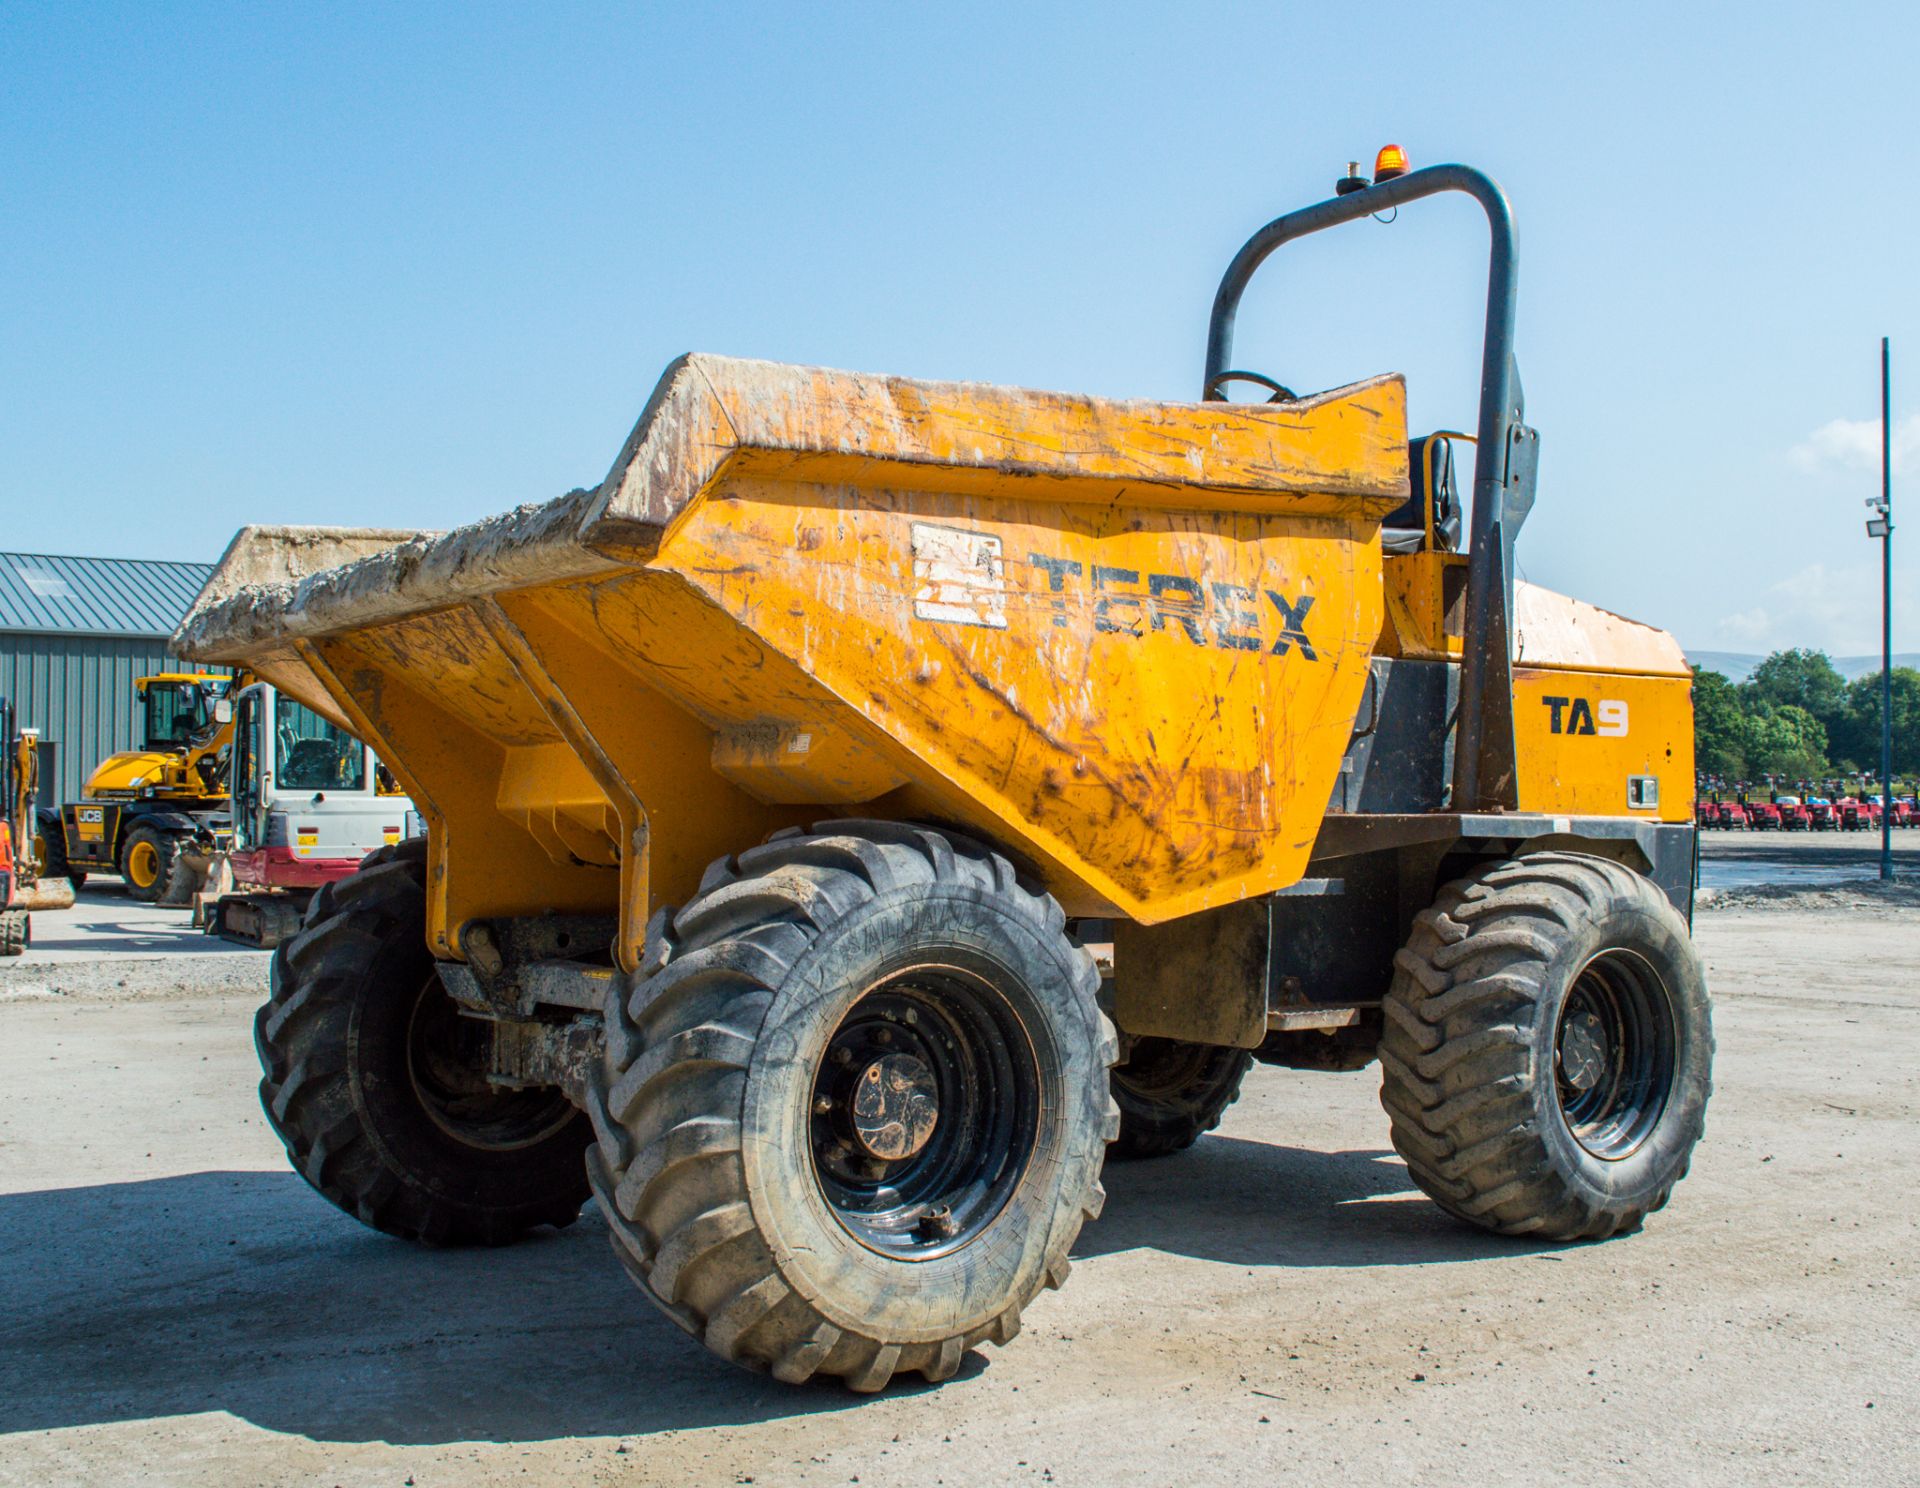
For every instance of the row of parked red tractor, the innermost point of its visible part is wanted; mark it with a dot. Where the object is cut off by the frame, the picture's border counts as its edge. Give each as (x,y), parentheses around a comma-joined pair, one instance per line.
(1808,814)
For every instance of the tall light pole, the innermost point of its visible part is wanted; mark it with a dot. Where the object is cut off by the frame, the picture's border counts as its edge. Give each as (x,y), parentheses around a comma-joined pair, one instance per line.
(1880,525)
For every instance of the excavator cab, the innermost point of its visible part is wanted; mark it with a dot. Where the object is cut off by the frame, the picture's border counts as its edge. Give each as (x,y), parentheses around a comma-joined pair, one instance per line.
(182,711)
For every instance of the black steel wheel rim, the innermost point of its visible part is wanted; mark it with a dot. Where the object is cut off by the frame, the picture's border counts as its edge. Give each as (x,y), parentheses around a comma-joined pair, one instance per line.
(925,1112)
(448,1060)
(1616,1051)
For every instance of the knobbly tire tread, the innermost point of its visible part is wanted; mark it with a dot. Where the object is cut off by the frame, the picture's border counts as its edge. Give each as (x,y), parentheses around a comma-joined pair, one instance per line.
(1151,1127)
(16,932)
(1459,1038)
(166,845)
(667,1106)
(57,864)
(301,1036)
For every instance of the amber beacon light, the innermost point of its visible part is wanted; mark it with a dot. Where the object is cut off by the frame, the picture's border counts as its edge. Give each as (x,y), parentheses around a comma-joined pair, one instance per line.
(1390,162)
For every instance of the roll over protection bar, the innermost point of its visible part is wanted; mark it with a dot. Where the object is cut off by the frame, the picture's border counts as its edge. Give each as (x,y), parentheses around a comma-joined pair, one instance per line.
(1506,460)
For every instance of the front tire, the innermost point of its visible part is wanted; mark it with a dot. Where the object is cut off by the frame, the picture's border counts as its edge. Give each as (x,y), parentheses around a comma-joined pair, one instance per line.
(146,861)
(852,1112)
(1548,1048)
(378,1086)
(1171,1093)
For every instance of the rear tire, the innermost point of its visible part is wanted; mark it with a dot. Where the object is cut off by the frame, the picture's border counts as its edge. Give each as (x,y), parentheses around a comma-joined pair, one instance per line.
(146,862)
(1548,1050)
(50,847)
(377,1085)
(16,932)
(743,1191)
(1171,1093)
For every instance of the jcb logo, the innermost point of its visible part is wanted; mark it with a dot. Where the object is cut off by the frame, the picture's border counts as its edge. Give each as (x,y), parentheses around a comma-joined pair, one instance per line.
(90,816)
(1578,716)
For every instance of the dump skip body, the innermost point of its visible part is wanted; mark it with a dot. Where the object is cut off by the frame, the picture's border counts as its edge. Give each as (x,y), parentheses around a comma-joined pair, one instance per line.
(1124,641)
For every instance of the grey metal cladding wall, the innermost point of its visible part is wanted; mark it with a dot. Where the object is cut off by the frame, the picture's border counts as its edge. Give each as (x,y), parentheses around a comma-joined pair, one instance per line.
(78,691)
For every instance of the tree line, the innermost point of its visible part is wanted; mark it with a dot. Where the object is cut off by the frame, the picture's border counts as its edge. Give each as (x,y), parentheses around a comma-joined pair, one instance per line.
(1797,719)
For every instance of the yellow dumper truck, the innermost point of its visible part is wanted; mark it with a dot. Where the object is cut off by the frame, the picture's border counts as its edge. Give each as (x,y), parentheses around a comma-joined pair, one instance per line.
(877,796)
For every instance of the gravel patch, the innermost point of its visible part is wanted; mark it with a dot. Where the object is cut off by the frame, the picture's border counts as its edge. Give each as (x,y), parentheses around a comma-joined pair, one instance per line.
(122,979)
(1902,893)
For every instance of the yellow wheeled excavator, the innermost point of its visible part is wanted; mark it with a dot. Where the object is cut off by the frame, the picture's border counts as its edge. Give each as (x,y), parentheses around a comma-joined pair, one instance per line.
(143,808)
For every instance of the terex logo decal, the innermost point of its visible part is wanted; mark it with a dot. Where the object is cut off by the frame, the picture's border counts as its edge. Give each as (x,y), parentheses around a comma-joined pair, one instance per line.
(1227,615)
(963,578)
(1577,716)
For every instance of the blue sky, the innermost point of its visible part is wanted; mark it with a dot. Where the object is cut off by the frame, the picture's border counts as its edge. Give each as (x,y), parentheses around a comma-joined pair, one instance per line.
(386,265)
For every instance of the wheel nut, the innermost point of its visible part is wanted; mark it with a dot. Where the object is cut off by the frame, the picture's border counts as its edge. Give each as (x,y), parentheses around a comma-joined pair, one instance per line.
(936,1224)
(822,1106)
(843,1055)
(883,1035)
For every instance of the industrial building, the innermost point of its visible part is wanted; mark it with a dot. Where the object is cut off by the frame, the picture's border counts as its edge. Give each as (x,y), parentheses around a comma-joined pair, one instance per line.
(74,633)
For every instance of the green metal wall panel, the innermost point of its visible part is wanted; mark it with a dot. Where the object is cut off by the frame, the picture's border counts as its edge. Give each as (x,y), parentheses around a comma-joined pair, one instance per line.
(78,691)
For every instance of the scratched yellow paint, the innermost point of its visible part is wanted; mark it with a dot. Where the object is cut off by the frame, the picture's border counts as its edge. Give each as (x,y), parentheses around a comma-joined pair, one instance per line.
(1123,641)
(1113,692)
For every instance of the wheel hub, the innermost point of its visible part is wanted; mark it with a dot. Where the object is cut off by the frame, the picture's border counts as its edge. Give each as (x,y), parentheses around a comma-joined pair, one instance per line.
(923,1112)
(895,1106)
(1583,1050)
(1617,1050)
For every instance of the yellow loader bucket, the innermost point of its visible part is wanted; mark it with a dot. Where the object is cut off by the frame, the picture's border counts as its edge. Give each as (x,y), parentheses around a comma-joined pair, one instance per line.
(1123,641)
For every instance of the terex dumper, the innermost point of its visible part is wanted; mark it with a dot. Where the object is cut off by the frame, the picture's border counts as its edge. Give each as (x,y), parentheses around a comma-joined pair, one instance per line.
(779,789)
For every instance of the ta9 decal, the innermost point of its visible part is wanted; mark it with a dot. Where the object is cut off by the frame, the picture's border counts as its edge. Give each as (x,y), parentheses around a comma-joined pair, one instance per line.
(1606,718)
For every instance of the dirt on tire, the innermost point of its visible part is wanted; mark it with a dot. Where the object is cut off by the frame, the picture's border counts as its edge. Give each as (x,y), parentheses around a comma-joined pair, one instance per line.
(1473,1024)
(706,1162)
(346,1089)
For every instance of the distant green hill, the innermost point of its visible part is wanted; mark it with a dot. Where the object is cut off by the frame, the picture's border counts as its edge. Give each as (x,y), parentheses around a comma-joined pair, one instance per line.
(1737,666)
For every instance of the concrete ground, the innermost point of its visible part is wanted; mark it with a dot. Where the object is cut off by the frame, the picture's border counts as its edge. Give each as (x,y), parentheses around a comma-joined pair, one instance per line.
(1277,1303)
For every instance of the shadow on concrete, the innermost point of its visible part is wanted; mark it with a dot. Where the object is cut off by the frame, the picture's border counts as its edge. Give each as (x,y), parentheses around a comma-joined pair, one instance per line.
(1260,1204)
(245,1292)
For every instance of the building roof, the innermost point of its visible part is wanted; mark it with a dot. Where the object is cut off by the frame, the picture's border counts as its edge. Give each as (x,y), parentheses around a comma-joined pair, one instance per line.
(46,594)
